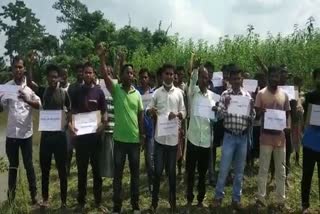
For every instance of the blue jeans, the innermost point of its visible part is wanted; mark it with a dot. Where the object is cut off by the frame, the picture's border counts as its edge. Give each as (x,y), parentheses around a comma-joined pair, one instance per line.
(234,150)
(149,159)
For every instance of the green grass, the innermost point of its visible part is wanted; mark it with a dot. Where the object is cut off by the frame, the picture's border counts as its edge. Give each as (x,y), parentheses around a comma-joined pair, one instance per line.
(249,190)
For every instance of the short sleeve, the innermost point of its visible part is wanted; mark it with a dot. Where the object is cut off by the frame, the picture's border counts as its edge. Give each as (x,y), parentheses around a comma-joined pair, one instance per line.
(258,103)
(140,104)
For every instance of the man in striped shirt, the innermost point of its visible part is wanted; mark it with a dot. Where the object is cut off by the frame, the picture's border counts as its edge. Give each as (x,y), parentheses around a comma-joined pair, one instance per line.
(234,148)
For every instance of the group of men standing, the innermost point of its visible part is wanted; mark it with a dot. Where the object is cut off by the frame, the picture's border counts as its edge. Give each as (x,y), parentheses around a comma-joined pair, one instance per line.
(131,126)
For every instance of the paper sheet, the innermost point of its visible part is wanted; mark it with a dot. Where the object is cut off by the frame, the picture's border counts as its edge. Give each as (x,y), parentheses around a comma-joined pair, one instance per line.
(239,105)
(167,127)
(217,79)
(203,108)
(51,120)
(275,120)
(86,123)
(250,85)
(289,91)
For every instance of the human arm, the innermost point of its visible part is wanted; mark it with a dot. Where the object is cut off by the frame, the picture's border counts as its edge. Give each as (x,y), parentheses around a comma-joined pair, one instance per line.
(102,52)
(33,100)
(31,60)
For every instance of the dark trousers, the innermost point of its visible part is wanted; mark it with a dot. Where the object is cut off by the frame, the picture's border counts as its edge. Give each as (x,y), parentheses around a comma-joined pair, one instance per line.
(121,150)
(149,160)
(53,143)
(87,149)
(212,164)
(310,158)
(12,150)
(196,157)
(164,156)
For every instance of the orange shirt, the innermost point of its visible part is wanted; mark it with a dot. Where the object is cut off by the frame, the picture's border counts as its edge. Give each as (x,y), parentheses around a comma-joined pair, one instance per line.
(267,100)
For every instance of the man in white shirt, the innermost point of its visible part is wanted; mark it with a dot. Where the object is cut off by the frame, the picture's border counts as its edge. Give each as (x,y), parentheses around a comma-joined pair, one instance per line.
(167,101)
(19,129)
(199,134)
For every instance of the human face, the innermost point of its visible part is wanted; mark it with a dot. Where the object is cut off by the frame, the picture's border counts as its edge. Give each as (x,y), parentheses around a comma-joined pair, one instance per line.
(18,70)
(64,76)
(52,79)
(89,75)
(235,80)
(168,76)
(144,79)
(178,77)
(274,79)
(79,74)
(127,76)
(203,78)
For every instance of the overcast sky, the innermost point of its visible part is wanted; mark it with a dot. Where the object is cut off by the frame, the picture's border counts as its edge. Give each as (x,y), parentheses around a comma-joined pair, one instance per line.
(197,19)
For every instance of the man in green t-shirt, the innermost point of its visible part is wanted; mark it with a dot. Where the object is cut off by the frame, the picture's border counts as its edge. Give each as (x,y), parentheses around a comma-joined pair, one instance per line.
(128,130)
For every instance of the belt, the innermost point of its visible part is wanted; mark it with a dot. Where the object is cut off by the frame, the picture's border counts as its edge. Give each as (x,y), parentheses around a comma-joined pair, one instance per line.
(244,132)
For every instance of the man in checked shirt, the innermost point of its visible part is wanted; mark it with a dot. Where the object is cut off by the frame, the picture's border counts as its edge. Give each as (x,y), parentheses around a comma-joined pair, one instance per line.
(234,148)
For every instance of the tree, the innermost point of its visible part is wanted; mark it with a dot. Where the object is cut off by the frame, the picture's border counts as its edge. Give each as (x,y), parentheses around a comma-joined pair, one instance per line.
(24,31)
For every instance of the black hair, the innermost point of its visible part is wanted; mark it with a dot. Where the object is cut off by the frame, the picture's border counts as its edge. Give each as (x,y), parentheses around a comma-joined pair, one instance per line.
(273,69)
(87,65)
(316,73)
(179,68)
(167,66)
(144,70)
(125,67)
(209,66)
(51,67)
(233,69)
(78,66)
(17,59)
(224,68)
(259,75)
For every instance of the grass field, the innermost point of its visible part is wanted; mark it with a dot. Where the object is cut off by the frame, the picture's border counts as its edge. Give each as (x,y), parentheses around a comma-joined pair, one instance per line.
(250,188)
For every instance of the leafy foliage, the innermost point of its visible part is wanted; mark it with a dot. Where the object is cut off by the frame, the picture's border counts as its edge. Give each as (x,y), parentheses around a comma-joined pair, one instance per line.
(299,50)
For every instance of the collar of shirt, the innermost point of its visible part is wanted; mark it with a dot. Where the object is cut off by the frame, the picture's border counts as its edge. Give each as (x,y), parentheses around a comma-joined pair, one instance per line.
(165,90)
(240,92)
(132,89)
(141,91)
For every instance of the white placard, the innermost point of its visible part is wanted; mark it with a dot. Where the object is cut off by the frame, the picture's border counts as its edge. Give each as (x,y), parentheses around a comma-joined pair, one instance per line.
(275,120)
(216,97)
(250,85)
(289,90)
(11,89)
(104,87)
(203,108)
(239,105)
(217,79)
(51,120)
(9,92)
(315,115)
(146,99)
(167,127)
(86,123)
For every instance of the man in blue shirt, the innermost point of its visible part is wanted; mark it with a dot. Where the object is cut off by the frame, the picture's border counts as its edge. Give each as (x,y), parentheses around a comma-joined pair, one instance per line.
(311,146)
(145,90)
